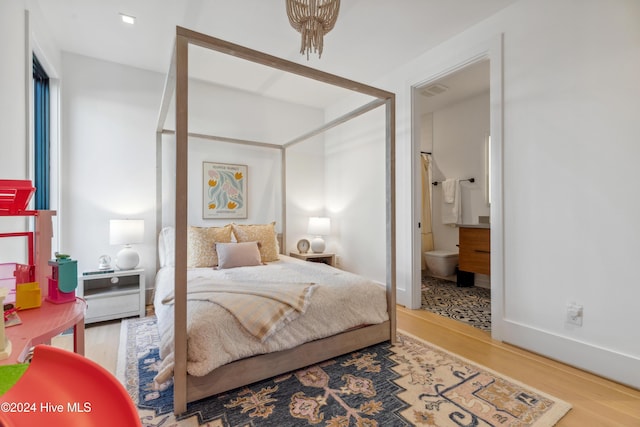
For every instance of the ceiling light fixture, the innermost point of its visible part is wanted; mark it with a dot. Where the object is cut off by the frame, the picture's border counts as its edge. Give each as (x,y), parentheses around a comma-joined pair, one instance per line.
(128,19)
(312,19)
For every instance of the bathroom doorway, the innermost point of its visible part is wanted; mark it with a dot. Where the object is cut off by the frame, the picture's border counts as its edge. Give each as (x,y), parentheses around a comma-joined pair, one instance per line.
(452,124)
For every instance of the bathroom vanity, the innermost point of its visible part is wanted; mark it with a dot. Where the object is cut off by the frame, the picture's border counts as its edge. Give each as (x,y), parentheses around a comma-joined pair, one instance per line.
(474,243)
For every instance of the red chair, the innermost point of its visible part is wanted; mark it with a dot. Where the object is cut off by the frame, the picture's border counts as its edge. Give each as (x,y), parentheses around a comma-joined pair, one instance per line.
(61,388)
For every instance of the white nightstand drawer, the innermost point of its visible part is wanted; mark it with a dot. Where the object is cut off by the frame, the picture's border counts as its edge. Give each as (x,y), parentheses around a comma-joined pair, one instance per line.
(106,307)
(112,295)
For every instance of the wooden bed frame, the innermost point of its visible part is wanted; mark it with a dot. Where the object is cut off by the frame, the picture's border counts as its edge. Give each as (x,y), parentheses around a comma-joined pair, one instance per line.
(189,388)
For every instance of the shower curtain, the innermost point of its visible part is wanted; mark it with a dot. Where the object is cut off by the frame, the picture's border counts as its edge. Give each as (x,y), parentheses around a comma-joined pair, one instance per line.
(427,234)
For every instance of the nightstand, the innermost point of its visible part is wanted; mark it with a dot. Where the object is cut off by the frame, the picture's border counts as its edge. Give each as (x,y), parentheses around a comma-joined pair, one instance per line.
(113,295)
(325,258)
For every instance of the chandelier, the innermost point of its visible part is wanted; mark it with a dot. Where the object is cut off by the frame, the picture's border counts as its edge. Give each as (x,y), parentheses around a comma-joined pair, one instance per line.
(312,19)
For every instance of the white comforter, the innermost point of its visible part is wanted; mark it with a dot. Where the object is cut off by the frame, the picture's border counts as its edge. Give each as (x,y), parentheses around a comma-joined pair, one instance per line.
(340,301)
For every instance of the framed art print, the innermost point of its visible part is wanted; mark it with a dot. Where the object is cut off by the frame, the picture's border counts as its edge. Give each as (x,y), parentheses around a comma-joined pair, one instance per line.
(225,191)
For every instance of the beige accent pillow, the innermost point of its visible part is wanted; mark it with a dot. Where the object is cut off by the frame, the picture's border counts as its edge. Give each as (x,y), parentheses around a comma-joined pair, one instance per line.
(264,234)
(201,245)
(243,254)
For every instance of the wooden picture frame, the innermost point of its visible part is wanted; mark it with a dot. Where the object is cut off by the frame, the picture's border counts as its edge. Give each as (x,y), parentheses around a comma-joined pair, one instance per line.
(224,191)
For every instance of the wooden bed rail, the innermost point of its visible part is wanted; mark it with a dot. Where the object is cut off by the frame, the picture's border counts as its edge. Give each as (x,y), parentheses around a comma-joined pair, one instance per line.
(257,368)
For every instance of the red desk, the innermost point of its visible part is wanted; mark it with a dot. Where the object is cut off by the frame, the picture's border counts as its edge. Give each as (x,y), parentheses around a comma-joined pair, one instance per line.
(39,325)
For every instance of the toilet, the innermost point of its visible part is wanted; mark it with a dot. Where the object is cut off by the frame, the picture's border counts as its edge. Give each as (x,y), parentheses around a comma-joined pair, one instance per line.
(441,263)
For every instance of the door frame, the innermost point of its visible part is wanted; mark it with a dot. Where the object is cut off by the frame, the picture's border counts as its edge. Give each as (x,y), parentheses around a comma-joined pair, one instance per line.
(491,50)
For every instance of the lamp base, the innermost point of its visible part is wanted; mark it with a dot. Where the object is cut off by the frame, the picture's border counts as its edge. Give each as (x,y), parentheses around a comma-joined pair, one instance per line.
(127,259)
(317,245)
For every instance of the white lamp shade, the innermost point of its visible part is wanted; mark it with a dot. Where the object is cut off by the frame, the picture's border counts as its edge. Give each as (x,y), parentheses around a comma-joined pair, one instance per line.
(319,226)
(126,231)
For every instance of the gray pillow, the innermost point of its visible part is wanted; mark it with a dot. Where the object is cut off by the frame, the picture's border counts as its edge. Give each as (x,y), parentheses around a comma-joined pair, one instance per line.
(241,254)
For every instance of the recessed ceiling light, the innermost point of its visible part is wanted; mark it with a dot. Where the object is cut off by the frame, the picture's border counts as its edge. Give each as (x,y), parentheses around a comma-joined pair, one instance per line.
(128,19)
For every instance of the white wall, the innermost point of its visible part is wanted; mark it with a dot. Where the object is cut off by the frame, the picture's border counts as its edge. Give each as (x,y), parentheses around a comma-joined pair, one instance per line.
(110,119)
(22,34)
(264,179)
(13,148)
(305,188)
(569,158)
(108,157)
(355,191)
(220,111)
(458,152)
(13,161)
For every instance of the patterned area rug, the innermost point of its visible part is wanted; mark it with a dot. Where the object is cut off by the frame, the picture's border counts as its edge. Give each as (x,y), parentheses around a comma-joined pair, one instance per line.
(409,383)
(471,305)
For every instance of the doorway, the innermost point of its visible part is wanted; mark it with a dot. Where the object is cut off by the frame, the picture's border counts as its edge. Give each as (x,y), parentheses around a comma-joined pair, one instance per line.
(457,76)
(453,121)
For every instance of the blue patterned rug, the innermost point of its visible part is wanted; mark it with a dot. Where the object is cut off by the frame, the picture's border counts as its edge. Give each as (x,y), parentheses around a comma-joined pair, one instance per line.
(409,383)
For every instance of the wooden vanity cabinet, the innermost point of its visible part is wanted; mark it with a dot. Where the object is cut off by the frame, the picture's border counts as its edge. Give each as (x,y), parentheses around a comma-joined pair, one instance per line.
(474,245)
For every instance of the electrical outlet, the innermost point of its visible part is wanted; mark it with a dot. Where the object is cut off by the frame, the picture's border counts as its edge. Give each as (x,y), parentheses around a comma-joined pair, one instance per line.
(574,314)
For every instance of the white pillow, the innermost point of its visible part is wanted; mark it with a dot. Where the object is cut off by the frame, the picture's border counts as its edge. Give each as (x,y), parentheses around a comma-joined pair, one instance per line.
(167,247)
(242,254)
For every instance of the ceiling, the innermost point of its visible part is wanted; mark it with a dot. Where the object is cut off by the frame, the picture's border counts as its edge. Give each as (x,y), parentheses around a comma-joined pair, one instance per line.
(472,80)
(370,38)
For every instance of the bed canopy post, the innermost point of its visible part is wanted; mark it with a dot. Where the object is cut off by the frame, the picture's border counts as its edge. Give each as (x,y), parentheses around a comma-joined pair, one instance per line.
(390,167)
(158,189)
(180,302)
(283,197)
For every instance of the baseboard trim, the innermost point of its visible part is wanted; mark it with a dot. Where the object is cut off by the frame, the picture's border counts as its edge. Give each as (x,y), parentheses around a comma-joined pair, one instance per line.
(483,281)
(603,362)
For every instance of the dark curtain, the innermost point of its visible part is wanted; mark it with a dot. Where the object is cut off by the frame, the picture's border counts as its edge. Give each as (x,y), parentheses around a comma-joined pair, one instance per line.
(41,134)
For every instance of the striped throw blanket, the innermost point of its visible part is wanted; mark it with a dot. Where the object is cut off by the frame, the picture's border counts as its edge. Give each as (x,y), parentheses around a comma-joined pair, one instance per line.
(261,308)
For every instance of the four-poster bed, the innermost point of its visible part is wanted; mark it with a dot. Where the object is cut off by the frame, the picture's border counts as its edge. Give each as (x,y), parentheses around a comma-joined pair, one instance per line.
(187,387)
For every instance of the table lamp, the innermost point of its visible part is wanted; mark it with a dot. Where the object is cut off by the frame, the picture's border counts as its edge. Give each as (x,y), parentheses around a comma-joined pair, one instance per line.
(126,232)
(318,226)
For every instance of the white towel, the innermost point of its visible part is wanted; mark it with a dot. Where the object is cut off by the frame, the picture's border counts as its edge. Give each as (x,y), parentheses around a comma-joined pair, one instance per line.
(449,190)
(451,209)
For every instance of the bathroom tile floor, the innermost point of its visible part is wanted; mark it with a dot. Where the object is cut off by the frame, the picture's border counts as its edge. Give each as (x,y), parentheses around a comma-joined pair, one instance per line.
(471,305)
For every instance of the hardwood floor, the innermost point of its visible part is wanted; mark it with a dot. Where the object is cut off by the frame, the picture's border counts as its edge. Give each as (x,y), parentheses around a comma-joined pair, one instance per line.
(596,401)
(101,343)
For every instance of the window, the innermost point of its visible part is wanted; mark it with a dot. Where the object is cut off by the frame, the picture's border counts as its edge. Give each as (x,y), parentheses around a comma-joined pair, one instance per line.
(41,132)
